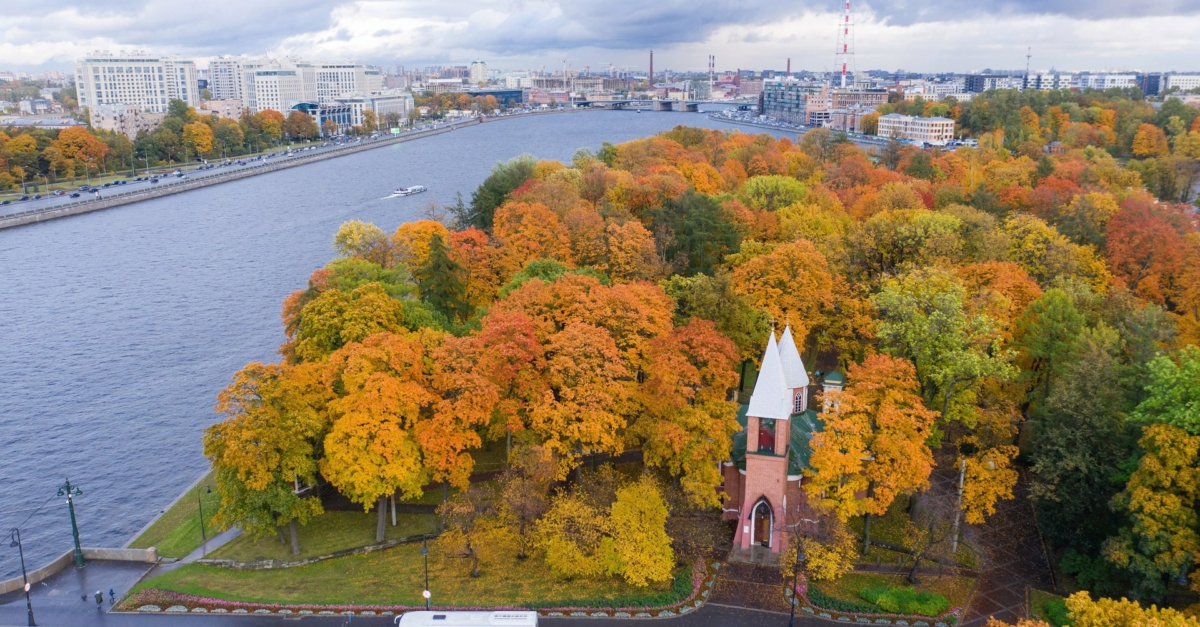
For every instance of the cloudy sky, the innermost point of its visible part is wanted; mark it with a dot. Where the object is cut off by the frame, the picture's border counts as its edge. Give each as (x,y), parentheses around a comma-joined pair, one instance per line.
(921,35)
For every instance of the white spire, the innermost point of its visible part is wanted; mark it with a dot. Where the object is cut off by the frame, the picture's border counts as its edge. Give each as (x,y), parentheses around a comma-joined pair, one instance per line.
(771,397)
(793,367)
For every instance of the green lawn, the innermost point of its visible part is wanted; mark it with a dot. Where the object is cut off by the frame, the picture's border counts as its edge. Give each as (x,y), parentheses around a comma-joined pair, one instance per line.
(395,577)
(956,589)
(325,534)
(177,531)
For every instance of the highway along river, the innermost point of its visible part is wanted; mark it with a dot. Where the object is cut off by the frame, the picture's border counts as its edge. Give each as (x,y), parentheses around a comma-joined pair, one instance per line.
(119,327)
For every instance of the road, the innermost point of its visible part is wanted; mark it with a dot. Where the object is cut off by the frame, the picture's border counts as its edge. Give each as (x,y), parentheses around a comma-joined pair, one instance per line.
(200,171)
(57,603)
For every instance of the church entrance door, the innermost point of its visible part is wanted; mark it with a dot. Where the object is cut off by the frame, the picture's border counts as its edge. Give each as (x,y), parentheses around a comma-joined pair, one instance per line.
(762,524)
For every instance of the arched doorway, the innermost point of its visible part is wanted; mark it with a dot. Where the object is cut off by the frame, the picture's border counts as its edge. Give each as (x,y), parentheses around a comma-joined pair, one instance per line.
(761,525)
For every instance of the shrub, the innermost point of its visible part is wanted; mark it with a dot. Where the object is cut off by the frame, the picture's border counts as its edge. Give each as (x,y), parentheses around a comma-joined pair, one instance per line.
(1055,611)
(905,600)
(824,601)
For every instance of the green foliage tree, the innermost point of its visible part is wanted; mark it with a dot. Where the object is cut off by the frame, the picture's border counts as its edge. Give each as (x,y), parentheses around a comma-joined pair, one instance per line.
(504,179)
(440,282)
(1174,392)
(1049,328)
(703,236)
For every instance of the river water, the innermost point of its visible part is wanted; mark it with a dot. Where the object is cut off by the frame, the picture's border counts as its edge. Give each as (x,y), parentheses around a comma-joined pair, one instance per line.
(119,327)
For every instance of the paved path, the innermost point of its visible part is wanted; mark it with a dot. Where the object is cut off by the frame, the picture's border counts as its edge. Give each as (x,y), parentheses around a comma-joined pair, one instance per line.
(749,586)
(1013,559)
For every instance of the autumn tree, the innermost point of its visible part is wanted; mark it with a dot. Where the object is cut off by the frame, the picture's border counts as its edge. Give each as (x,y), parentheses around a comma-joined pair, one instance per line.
(336,318)
(639,533)
(1161,540)
(874,446)
(688,420)
(575,538)
(792,283)
(1088,612)
(464,514)
(300,125)
(1150,141)
(356,238)
(198,138)
(371,450)
(525,492)
(265,451)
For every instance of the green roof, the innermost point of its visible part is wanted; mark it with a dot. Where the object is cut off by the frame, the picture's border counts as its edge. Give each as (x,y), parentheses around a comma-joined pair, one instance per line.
(804,425)
(834,377)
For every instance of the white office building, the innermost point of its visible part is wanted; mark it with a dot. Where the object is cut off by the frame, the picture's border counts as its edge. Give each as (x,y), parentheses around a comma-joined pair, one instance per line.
(277,89)
(1183,82)
(1104,80)
(135,78)
(935,131)
(1049,81)
(391,101)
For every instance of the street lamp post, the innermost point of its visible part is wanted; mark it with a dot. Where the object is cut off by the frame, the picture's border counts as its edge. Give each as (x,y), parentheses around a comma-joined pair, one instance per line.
(71,492)
(425,554)
(16,541)
(795,578)
(200,505)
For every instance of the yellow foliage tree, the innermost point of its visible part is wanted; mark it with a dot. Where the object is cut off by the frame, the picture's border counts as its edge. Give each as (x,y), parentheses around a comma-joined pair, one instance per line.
(826,558)
(639,529)
(574,537)
(1085,612)
(411,241)
(1150,141)
(198,137)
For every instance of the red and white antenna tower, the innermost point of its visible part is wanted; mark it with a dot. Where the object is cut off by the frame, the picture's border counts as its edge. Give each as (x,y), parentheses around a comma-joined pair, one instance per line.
(845,47)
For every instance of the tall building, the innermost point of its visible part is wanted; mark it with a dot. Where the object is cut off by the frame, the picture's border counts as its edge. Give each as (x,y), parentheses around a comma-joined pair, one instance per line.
(124,119)
(136,78)
(479,73)
(333,80)
(784,100)
(182,80)
(276,88)
(225,78)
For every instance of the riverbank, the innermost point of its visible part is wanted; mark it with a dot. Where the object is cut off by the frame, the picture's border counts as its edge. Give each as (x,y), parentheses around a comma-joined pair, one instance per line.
(178,186)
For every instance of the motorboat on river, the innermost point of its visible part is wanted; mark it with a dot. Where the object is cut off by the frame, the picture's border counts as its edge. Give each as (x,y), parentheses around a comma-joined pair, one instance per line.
(409,191)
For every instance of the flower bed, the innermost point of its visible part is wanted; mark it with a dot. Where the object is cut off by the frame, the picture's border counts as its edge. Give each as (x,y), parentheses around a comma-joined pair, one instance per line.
(857,613)
(689,591)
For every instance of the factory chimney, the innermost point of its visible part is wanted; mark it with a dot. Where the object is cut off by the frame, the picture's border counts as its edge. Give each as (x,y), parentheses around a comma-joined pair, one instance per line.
(651,74)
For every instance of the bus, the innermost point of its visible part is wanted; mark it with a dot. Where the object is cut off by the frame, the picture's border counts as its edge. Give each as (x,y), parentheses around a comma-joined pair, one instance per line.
(468,619)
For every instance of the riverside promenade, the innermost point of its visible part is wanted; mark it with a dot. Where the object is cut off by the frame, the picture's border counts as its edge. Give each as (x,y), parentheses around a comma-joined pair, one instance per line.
(113,197)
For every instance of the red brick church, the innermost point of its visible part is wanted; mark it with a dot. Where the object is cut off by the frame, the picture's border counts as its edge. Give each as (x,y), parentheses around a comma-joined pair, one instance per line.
(764,477)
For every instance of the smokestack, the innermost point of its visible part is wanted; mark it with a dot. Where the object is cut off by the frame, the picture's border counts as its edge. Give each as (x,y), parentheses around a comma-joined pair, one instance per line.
(789,68)
(651,73)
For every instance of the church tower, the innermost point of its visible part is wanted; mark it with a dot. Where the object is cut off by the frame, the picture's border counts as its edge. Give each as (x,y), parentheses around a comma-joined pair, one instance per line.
(780,395)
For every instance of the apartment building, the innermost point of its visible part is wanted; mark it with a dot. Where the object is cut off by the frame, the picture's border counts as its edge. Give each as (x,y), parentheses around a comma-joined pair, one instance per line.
(935,131)
(1182,82)
(785,100)
(394,101)
(231,109)
(478,72)
(124,119)
(1105,80)
(979,83)
(135,78)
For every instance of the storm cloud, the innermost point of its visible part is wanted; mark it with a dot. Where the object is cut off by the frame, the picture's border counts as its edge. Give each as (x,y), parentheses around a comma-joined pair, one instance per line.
(51,33)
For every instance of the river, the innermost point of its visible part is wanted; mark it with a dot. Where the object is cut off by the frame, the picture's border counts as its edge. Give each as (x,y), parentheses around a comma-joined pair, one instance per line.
(119,327)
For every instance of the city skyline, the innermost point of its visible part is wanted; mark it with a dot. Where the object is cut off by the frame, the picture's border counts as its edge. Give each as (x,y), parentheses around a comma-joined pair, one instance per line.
(927,36)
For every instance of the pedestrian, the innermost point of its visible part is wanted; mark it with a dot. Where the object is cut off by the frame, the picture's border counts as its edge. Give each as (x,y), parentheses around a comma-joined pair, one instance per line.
(112,596)
(99,600)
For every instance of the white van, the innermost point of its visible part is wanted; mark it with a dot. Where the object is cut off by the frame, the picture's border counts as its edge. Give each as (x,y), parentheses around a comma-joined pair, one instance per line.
(469,619)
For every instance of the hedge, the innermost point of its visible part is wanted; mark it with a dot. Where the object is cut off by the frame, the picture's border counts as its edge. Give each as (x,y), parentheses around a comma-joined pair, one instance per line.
(906,600)
(822,600)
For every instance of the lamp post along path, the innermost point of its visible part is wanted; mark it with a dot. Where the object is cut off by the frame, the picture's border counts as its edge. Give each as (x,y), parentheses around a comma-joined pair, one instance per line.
(71,492)
(16,541)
